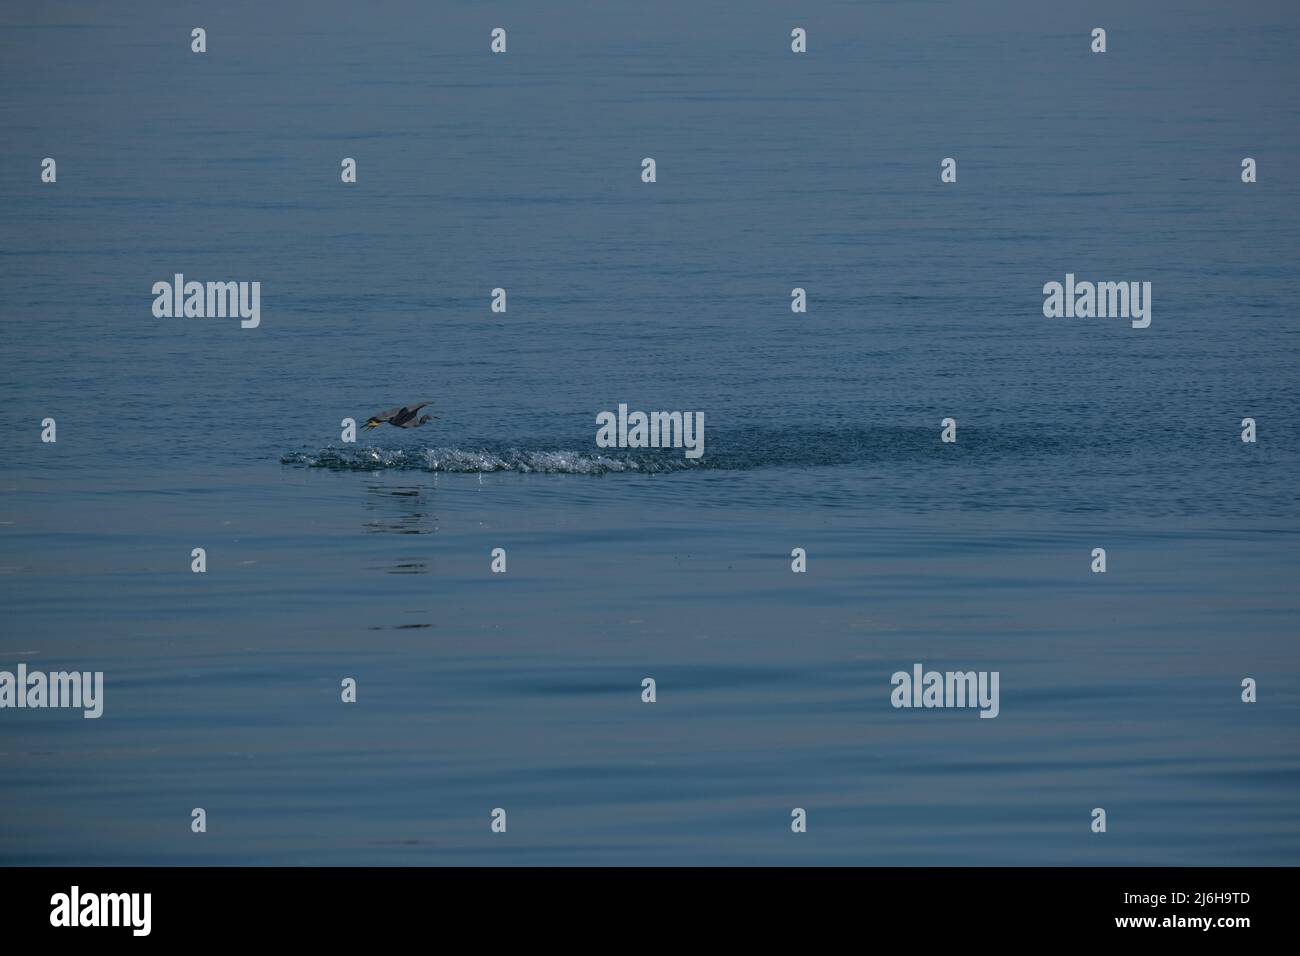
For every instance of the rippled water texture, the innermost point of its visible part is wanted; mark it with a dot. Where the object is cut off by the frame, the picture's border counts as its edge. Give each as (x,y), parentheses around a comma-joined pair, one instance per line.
(372,560)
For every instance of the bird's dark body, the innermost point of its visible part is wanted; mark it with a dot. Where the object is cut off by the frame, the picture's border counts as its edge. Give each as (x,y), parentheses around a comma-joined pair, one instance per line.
(404,416)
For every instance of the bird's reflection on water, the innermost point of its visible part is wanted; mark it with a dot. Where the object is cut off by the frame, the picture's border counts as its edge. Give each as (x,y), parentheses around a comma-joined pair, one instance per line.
(400,510)
(403,510)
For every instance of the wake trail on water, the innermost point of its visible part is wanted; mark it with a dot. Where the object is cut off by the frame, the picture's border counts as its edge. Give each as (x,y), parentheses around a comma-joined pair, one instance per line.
(742,451)
(469,461)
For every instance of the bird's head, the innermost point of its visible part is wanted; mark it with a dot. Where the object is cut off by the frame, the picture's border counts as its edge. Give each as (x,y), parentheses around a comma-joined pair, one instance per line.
(425,418)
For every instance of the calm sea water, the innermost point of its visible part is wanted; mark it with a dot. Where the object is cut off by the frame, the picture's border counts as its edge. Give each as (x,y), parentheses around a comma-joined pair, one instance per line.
(522,690)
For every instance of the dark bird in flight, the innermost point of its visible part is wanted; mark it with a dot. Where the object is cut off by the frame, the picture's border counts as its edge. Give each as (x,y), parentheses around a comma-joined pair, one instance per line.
(404,416)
